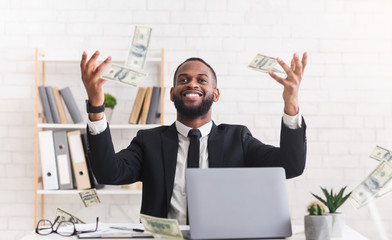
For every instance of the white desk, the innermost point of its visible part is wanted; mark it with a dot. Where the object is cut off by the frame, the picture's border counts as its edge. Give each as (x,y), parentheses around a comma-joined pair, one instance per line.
(298,234)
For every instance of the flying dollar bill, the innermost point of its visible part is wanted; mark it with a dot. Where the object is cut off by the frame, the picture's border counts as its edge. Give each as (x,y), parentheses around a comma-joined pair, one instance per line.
(138,50)
(161,226)
(65,216)
(372,186)
(264,64)
(380,154)
(121,74)
(89,197)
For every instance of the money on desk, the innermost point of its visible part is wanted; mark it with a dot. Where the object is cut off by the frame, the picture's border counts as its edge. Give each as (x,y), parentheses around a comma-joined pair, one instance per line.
(373,186)
(89,197)
(65,216)
(138,50)
(122,74)
(263,63)
(161,226)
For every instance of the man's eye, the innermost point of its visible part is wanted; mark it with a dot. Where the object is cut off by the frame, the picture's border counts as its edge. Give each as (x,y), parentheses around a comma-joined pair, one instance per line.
(183,80)
(202,80)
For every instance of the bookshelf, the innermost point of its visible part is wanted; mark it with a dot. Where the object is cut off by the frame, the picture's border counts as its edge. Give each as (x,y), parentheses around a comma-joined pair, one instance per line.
(39,124)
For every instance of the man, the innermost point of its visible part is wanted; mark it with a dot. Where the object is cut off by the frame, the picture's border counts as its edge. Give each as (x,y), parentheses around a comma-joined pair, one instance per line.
(158,157)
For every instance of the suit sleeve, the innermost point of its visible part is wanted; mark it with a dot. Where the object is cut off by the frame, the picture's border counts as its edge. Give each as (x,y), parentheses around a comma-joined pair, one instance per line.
(291,155)
(109,167)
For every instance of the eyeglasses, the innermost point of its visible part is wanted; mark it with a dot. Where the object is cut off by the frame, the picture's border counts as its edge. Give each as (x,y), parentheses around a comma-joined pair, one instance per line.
(63,228)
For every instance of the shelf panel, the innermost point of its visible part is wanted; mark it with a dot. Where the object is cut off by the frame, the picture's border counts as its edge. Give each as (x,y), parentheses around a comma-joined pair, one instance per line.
(99,191)
(83,126)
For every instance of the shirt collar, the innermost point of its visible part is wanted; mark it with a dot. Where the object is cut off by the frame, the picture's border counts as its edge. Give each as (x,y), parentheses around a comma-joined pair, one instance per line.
(183,129)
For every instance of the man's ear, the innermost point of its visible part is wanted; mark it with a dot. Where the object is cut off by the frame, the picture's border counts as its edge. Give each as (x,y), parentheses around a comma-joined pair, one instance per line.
(171,94)
(216,94)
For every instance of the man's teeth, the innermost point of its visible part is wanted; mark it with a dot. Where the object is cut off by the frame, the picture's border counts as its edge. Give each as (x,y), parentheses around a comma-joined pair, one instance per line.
(192,95)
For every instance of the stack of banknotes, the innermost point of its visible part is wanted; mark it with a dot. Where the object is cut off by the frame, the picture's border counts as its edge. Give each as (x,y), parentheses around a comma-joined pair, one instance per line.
(89,197)
(132,72)
(378,183)
(265,64)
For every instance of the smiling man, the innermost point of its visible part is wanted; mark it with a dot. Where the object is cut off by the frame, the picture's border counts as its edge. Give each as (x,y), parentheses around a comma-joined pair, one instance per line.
(158,157)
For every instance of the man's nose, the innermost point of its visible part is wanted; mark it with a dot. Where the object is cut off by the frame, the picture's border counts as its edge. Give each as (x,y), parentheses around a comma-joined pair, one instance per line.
(193,83)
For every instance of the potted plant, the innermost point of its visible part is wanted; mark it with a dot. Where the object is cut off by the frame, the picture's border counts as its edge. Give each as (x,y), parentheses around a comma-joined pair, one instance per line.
(110,103)
(317,224)
(333,202)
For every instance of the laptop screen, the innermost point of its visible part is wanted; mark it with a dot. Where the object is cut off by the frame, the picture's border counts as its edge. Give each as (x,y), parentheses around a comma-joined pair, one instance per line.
(238,203)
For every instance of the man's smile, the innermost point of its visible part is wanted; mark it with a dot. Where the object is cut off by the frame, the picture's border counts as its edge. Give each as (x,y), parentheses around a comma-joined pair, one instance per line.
(192,94)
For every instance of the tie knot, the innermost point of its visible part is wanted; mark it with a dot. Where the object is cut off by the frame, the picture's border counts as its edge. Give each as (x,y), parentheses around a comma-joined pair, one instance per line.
(194,133)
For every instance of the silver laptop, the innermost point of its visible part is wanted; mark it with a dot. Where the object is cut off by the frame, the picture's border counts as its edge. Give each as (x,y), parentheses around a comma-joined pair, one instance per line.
(226,203)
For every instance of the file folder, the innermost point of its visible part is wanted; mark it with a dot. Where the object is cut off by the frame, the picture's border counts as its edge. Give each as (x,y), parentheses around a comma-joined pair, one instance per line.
(63,160)
(153,115)
(70,102)
(79,164)
(52,104)
(93,180)
(60,106)
(45,104)
(48,160)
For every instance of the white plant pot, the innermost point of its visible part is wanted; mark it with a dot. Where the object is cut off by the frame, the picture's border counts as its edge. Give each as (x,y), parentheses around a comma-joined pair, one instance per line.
(338,223)
(108,114)
(318,227)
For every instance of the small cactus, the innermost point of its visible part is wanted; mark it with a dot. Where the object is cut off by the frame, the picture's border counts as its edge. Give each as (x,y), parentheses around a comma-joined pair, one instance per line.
(316,208)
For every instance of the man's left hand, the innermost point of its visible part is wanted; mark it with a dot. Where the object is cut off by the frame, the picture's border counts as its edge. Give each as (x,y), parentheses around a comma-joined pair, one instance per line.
(291,82)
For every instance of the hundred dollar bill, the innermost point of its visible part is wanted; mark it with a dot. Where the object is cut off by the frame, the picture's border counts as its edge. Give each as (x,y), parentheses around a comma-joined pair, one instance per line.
(122,74)
(138,50)
(89,197)
(65,216)
(161,226)
(264,63)
(380,154)
(372,185)
(385,190)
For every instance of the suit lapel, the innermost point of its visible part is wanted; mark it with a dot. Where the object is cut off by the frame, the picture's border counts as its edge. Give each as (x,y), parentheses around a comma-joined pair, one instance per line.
(170,150)
(215,147)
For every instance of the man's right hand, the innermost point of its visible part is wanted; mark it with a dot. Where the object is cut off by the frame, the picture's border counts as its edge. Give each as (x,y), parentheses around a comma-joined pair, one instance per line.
(91,71)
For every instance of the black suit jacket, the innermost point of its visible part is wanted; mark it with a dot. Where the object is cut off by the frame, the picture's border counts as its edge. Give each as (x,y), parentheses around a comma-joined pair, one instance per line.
(152,155)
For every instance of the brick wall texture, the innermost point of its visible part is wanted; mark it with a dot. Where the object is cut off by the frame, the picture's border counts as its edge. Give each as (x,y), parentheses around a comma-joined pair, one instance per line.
(345,94)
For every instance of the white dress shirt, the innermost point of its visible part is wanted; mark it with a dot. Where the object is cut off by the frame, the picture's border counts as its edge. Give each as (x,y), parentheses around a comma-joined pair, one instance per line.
(178,202)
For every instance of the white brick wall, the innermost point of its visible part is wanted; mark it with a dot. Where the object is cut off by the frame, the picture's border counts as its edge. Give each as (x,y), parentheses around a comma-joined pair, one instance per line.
(344,97)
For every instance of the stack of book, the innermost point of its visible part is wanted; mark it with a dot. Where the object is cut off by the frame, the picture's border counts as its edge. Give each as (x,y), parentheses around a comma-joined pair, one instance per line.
(53,107)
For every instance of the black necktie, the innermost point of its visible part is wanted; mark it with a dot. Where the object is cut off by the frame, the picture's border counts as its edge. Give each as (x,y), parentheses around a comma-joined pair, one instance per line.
(194,148)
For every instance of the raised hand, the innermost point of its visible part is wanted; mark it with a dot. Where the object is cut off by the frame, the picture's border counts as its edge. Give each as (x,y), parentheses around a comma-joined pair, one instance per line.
(91,72)
(291,82)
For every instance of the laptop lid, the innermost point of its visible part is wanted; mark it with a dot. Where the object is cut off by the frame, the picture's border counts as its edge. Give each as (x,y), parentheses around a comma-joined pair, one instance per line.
(237,203)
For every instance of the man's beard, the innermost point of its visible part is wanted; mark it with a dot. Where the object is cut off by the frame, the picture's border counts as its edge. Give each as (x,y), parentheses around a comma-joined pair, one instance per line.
(194,112)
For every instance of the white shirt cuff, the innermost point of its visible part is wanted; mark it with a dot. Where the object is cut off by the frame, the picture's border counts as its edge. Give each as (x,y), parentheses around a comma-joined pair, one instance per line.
(293,122)
(97,127)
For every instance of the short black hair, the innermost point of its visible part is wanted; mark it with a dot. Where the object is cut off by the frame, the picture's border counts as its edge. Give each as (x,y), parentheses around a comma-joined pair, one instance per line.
(195,59)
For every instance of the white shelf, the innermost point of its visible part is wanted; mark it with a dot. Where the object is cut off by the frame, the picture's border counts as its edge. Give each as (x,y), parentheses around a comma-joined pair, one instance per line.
(83,126)
(99,191)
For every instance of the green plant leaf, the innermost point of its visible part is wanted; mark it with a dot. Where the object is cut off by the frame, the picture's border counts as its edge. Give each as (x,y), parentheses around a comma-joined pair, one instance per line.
(320,199)
(327,195)
(330,200)
(340,194)
(342,200)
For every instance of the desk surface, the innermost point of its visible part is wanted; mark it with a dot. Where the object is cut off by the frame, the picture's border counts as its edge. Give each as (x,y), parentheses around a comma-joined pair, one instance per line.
(298,234)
